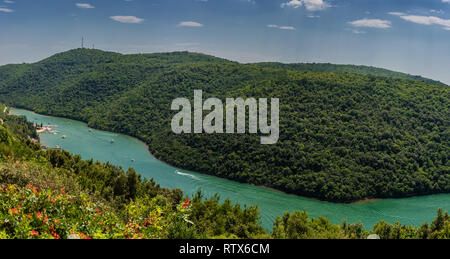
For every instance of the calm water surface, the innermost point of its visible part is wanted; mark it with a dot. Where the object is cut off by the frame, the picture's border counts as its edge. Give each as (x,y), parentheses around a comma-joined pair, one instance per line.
(129,152)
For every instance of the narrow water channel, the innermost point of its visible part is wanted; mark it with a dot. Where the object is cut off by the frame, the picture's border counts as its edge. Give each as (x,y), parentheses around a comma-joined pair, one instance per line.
(129,152)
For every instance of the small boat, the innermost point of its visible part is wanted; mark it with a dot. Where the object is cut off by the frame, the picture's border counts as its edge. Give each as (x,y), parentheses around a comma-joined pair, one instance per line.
(58,147)
(90,130)
(112,141)
(64,137)
(132,160)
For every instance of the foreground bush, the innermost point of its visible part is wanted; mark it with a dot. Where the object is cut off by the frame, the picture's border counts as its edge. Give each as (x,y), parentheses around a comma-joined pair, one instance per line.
(32,213)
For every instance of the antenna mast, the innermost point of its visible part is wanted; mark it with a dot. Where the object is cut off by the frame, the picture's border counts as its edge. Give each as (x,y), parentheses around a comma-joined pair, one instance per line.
(82,42)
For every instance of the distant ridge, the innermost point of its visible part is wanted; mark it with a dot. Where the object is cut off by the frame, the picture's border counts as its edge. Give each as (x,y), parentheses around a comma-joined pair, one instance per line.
(95,56)
(352,69)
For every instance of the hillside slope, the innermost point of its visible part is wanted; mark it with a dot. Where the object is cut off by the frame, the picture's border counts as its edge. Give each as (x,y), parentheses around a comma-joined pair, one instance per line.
(53,194)
(351,69)
(343,136)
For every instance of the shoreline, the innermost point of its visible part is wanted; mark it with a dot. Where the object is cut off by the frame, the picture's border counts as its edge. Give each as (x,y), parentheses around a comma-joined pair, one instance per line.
(361,201)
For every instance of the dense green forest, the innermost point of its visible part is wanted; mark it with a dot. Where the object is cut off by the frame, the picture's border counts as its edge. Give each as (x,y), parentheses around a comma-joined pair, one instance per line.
(345,134)
(351,69)
(56,195)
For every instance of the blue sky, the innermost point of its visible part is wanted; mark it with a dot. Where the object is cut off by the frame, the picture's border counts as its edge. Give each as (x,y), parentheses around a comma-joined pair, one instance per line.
(411,36)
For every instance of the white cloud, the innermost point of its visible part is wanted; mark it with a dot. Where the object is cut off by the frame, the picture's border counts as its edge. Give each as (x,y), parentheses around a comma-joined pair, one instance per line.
(426,20)
(290,28)
(310,5)
(127,19)
(372,23)
(6,10)
(293,3)
(440,11)
(9,2)
(84,6)
(396,13)
(445,1)
(286,28)
(190,24)
(358,32)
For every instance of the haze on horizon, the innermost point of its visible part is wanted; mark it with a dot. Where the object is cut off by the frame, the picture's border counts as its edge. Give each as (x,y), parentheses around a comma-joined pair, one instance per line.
(408,36)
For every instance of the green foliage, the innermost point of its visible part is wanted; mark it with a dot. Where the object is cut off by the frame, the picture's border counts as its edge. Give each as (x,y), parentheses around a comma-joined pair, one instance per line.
(298,226)
(35,213)
(439,229)
(215,219)
(351,69)
(99,200)
(345,134)
(53,194)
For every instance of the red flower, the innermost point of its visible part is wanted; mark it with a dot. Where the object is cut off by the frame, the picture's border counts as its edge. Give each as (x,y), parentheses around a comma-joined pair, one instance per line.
(34,233)
(53,232)
(14,211)
(147,223)
(39,215)
(55,235)
(83,236)
(187,203)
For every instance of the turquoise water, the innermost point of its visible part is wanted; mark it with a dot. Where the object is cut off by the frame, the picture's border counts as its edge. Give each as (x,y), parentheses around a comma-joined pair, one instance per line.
(129,152)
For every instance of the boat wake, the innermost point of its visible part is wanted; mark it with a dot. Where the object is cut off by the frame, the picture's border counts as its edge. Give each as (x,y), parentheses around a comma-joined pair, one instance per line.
(187,175)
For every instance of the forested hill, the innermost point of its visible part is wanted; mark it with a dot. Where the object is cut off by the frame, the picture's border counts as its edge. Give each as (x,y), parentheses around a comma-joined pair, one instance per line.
(343,136)
(352,69)
(94,56)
